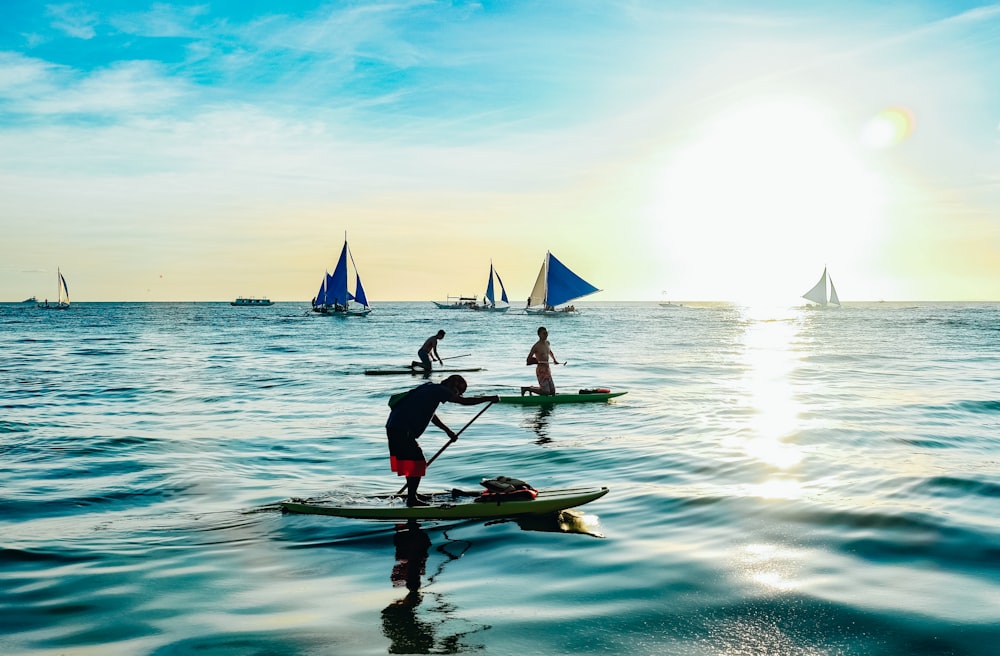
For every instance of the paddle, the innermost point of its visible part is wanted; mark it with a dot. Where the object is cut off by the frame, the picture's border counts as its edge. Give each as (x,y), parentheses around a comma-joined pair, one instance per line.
(532,364)
(414,364)
(446,444)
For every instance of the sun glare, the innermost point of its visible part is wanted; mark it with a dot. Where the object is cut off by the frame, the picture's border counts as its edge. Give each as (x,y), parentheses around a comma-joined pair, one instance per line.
(762,198)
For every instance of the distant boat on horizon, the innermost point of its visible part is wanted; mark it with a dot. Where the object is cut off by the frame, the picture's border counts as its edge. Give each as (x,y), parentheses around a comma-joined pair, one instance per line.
(252,302)
(62,292)
(471,302)
(819,295)
(556,285)
(30,299)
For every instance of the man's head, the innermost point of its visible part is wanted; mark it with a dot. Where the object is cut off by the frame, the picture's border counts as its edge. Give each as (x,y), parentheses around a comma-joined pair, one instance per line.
(440,334)
(456,383)
(542,332)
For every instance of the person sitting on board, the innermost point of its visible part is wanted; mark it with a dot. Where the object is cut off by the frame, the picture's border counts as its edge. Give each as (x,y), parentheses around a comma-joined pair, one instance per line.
(429,352)
(539,356)
(409,419)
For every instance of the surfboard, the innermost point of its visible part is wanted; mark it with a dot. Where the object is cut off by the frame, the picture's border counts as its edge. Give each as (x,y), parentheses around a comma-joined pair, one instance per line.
(448,506)
(418,371)
(559,398)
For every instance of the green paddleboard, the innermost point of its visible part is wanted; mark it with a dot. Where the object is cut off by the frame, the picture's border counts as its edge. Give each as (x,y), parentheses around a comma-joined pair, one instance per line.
(559,398)
(445,506)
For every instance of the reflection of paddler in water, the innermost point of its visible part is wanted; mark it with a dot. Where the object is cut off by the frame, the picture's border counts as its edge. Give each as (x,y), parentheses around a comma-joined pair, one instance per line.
(400,624)
(539,423)
(399,619)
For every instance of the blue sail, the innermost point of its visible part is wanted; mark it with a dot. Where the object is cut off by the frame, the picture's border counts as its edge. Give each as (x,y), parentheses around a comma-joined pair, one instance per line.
(503,292)
(359,294)
(564,285)
(336,284)
(489,288)
(321,294)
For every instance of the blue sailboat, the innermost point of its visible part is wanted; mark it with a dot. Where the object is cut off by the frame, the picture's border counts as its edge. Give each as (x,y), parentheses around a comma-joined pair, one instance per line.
(333,298)
(556,285)
(489,299)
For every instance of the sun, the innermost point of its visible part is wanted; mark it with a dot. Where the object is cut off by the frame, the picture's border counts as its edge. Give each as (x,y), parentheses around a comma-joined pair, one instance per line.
(761,198)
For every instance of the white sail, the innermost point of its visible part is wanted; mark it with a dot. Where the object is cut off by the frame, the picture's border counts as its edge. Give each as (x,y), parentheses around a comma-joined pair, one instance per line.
(833,293)
(537,296)
(818,293)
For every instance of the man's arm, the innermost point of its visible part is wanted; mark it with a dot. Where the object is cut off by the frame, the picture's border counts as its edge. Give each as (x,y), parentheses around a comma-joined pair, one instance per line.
(440,424)
(474,400)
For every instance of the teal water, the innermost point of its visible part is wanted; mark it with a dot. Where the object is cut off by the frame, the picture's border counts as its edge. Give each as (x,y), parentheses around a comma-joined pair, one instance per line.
(782,482)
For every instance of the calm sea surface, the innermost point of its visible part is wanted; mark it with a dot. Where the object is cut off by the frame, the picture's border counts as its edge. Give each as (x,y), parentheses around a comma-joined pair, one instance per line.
(782,482)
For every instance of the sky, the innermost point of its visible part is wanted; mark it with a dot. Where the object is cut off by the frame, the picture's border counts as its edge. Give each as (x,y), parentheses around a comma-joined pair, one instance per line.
(706,151)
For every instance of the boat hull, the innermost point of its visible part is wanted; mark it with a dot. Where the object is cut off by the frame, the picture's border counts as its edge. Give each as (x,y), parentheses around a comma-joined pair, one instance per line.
(559,398)
(330,312)
(563,312)
(394,508)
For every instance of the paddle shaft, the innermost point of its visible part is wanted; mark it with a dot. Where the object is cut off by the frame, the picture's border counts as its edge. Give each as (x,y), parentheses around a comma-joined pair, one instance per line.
(452,357)
(448,443)
(532,364)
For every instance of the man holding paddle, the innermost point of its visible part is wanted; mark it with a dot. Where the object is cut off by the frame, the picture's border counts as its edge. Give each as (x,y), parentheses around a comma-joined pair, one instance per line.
(409,419)
(429,352)
(539,356)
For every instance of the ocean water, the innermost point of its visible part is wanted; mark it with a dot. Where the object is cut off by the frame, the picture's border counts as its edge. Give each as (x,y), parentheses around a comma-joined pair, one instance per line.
(782,481)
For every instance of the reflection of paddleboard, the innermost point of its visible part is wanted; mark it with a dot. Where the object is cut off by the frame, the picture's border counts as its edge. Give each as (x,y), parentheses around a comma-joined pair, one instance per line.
(559,398)
(446,506)
(416,370)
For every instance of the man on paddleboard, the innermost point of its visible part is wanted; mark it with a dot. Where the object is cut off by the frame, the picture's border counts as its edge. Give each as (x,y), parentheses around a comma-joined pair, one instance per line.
(429,352)
(539,356)
(409,419)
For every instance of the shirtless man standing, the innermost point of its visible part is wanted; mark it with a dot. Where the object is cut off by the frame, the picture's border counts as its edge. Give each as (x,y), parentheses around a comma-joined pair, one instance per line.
(539,356)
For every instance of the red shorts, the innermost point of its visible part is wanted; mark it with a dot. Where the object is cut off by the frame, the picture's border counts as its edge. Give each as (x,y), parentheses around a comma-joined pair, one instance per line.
(408,467)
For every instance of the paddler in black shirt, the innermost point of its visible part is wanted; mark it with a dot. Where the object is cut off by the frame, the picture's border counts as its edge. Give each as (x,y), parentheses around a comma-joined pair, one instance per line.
(408,421)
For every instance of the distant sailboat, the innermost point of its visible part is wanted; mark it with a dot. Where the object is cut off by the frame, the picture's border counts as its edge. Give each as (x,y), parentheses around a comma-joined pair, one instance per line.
(489,302)
(470,302)
(333,298)
(62,290)
(556,285)
(818,294)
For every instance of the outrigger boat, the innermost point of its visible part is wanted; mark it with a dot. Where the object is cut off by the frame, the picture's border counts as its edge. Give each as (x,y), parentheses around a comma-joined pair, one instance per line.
(818,293)
(457,303)
(450,505)
(333,299)
(489,303)
(555,286)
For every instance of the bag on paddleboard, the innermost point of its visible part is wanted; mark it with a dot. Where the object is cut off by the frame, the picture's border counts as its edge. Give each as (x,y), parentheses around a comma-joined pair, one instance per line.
(504,488)
(596,390)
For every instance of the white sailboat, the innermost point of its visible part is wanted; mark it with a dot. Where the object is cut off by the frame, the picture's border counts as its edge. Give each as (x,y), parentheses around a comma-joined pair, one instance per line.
(333,299)
(819,295)
(62,290)
(556,285)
